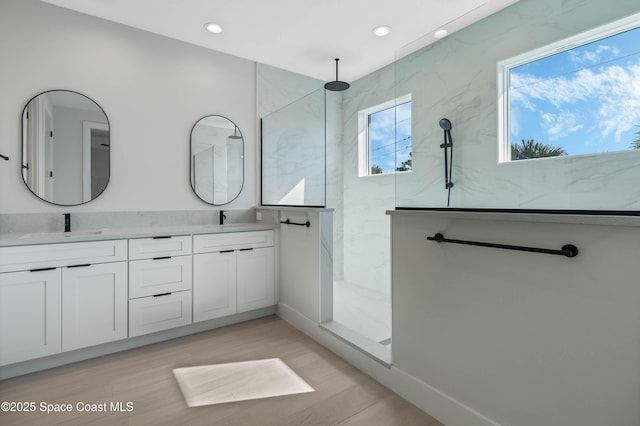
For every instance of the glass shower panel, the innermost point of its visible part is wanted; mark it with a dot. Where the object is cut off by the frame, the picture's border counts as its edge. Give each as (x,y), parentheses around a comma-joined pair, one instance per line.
(457,78)
(293,154)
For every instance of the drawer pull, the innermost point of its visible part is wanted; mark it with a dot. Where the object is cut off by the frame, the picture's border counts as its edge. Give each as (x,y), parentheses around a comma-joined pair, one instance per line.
(160,237)
(247,249)
(84,265)
(161,294)
(227,251)
(42,269)
(163,257)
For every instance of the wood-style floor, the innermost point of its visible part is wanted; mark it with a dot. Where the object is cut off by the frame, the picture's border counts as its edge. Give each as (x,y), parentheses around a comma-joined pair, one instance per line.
(143,378)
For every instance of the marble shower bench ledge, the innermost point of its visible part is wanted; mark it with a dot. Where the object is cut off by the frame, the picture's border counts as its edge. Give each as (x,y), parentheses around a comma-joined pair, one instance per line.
(568,218)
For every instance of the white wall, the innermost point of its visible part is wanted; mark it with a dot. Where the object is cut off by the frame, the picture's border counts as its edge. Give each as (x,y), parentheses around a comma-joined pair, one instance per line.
(523,338)
(153,90)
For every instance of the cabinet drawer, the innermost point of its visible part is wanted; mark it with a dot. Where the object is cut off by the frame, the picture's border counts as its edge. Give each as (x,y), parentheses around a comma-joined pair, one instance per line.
(24,258)
(151,314)
(156,276)
(230,241)
(148,248)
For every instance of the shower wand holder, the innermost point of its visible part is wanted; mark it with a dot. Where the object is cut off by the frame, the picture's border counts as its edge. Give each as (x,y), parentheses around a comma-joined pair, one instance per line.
(447,146)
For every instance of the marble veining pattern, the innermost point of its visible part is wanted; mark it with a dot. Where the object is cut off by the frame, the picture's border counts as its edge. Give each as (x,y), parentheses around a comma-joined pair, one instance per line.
(457,78)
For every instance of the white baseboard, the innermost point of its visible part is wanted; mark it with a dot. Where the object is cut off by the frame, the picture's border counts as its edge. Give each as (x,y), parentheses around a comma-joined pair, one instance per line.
(443,407)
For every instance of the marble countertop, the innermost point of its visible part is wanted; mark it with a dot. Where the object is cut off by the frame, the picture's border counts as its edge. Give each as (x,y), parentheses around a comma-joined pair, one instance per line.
(23,239)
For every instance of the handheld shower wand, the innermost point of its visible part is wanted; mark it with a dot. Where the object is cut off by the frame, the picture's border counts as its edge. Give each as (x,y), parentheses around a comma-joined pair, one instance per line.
(447,145)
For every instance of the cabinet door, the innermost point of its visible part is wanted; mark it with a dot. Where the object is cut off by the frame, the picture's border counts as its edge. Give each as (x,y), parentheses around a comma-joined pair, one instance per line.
(255,279)
(29,315)
(214,285)
(94,304)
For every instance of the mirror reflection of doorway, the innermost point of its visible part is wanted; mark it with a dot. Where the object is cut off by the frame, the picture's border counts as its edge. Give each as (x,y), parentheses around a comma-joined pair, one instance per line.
(60,164)
(48,177)
(95,159)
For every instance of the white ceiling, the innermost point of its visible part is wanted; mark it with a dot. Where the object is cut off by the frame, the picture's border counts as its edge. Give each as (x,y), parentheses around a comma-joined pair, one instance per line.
(302,36)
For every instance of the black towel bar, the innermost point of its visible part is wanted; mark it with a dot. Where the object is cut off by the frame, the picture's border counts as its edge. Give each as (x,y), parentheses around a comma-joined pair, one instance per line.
(288,222)
(568,250)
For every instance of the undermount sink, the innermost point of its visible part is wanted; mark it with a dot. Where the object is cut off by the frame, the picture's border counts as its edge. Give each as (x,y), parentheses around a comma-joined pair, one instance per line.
(53,235)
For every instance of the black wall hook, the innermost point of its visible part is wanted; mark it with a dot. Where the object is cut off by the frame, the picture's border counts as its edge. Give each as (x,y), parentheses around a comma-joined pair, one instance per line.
(4,157)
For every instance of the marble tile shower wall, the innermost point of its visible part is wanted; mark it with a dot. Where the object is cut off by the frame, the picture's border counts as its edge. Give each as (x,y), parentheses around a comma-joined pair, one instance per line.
(456,78)
(54,222)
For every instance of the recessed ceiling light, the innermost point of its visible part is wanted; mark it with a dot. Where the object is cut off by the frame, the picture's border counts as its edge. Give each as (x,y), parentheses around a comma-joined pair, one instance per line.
(441,33)
(382,30)
(213,28)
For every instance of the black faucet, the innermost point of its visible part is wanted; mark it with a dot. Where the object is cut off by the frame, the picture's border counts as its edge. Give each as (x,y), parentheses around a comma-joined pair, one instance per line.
(222,217)
(67,222)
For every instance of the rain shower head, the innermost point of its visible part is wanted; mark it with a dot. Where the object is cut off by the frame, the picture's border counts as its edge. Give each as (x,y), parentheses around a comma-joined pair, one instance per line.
(235,136)
(445,124)
(337,85)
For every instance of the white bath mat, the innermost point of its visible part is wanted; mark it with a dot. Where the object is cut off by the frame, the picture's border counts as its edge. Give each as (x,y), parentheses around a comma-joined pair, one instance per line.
(238,381)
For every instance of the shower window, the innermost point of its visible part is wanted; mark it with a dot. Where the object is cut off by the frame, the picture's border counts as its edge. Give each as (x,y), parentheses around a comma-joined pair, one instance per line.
(578,96)
(385,138)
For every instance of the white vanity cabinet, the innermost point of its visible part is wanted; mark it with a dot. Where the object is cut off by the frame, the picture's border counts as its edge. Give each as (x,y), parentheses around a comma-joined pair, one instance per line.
(232,272)
(59,297)
(160,282)
(64,295)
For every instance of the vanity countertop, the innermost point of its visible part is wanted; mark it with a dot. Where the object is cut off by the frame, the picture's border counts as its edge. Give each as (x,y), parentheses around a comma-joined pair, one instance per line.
(23,239)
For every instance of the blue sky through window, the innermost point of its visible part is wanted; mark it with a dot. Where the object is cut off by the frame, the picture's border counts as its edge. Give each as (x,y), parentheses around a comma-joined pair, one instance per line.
(584,100)
(390,137)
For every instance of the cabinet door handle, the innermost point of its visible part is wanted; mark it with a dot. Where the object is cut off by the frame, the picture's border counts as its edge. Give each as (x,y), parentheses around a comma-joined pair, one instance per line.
(247,249)
(84,265)
(42,269)
(160,237)
(161,294)
(227,251)
(163,257)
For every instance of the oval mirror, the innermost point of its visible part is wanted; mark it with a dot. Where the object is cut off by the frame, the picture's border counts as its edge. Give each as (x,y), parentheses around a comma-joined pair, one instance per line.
(65,147)
(217,160)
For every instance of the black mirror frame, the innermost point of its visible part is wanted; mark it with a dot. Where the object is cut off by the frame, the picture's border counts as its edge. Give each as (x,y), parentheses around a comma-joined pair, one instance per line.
(22,138)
